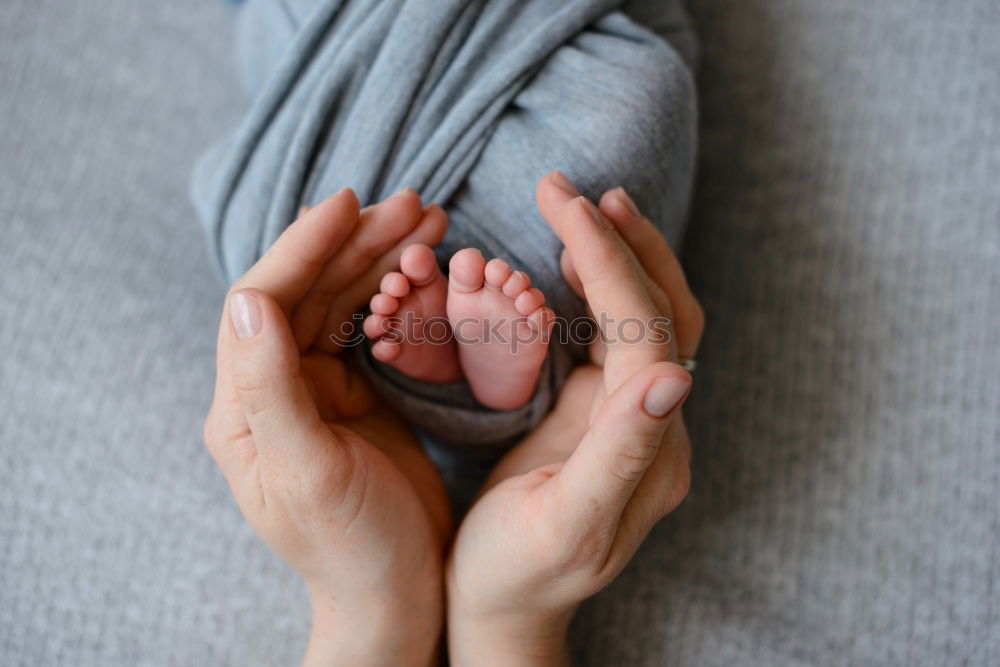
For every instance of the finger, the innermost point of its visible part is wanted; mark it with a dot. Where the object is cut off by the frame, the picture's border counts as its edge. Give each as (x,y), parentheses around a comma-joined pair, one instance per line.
(595,348)
(569,273)
(634,328)
(379,228)
(266,376)
(622,442)
(662,489)
(292,264)
(226,429)
(430,231)
(554,191)
(660,262)
(667,480)
(226,432)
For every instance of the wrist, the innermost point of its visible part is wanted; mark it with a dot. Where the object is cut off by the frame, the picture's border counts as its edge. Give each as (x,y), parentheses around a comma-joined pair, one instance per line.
(519,638)
(385,630)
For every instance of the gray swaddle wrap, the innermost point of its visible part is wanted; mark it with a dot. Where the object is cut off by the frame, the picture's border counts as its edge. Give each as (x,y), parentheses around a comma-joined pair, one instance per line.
(469,102)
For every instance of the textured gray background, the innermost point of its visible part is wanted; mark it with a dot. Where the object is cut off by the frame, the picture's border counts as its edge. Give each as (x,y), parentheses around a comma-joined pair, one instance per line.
(846,246)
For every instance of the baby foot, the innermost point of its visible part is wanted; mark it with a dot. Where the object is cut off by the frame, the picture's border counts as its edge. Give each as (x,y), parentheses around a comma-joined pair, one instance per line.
(408,320)
(501,328)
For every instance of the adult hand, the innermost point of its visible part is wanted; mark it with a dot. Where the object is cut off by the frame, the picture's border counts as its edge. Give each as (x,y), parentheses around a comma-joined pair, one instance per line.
(564,511)
(333,483)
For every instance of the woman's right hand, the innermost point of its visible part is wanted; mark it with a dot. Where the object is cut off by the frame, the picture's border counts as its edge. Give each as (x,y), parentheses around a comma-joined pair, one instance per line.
(331,481)
(565,511)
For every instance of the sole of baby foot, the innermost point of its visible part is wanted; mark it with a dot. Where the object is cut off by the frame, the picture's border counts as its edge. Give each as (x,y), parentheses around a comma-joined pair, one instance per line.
(501,326)
(409,320)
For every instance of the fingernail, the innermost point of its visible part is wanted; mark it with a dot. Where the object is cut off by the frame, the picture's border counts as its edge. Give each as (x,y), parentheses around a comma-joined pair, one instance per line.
(625,200)
(404,191)
(592,210)
(559,180)
(664,395)
(244,312)
(342,192)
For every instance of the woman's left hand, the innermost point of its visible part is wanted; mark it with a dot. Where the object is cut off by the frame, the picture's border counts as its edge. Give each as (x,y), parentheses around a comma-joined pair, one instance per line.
(565,511)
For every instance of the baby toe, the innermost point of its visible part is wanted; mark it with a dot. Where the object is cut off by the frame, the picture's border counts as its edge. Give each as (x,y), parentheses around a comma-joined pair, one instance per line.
(529,301)
(497,272)
(467,270)
(542,319)
(386,350)
(375,326)
(516,283)
(384,304)
(419,264)
(395,284)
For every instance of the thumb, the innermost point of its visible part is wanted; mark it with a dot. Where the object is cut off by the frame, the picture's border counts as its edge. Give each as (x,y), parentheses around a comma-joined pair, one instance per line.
(623,441)
(267,378)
